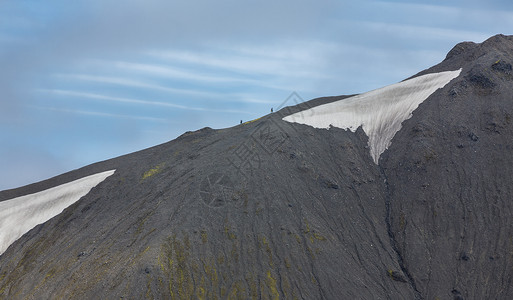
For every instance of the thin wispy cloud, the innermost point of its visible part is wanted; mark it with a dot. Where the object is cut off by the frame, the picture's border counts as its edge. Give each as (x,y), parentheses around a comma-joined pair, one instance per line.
(428,8)
(201,64)
(448,9)
(244,65)
(222,97)
(169,72)
(426,32)
(140,84)
(98,114)
(124,100)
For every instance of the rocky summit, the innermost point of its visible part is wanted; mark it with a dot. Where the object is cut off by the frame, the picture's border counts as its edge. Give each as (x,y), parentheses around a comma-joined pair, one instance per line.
(294,205)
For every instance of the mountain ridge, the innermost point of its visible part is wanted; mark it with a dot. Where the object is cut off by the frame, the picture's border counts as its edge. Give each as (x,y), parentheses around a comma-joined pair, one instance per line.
(271,209)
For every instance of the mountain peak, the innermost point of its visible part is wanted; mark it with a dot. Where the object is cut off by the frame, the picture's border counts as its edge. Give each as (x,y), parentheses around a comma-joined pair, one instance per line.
(461,48)
(470,50)
(498,40)
(272,209)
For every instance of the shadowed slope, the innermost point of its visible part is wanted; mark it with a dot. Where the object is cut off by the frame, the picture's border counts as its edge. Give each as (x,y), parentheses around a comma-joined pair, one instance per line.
(450,173)
(212,215)
(272,209)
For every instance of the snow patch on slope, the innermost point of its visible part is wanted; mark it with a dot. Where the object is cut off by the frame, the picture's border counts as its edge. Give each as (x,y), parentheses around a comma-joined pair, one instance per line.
(19,215)
(379,112)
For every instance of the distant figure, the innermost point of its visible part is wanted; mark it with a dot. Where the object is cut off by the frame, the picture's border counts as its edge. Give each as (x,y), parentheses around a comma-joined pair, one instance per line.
(271,109)
(241,121)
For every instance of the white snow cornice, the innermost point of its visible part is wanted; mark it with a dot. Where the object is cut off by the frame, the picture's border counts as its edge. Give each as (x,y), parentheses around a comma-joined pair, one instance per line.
(19,215)
(379,112)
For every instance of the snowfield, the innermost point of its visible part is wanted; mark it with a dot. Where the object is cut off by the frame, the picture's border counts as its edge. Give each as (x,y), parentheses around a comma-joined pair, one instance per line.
(379,112)
(21,214)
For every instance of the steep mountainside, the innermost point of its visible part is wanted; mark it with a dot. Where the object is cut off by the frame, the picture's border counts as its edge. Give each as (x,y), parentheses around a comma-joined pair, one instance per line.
(451,180)
(274,209)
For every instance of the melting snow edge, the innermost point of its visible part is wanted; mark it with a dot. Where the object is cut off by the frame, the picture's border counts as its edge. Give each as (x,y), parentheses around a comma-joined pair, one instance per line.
(380,112)
(19,215)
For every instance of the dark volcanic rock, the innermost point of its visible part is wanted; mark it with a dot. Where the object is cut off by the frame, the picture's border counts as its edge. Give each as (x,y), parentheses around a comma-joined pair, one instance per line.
(447,231)
(270,209)
(227,214)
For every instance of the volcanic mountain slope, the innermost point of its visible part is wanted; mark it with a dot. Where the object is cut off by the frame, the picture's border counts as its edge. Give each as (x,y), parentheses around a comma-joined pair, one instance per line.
(277,209)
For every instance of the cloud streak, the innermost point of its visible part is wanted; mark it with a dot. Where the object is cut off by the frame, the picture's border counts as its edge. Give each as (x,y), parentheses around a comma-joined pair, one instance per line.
(140,84)
(169,72)
(201,63)
(93,96)
(131,83)
(99,114)
(256,65)
(426,32)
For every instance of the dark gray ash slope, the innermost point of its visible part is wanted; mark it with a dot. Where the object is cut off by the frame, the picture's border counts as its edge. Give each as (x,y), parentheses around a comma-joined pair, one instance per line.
(270,210)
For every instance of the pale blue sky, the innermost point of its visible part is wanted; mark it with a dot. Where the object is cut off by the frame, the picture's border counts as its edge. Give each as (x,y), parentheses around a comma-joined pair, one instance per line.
(84,81)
